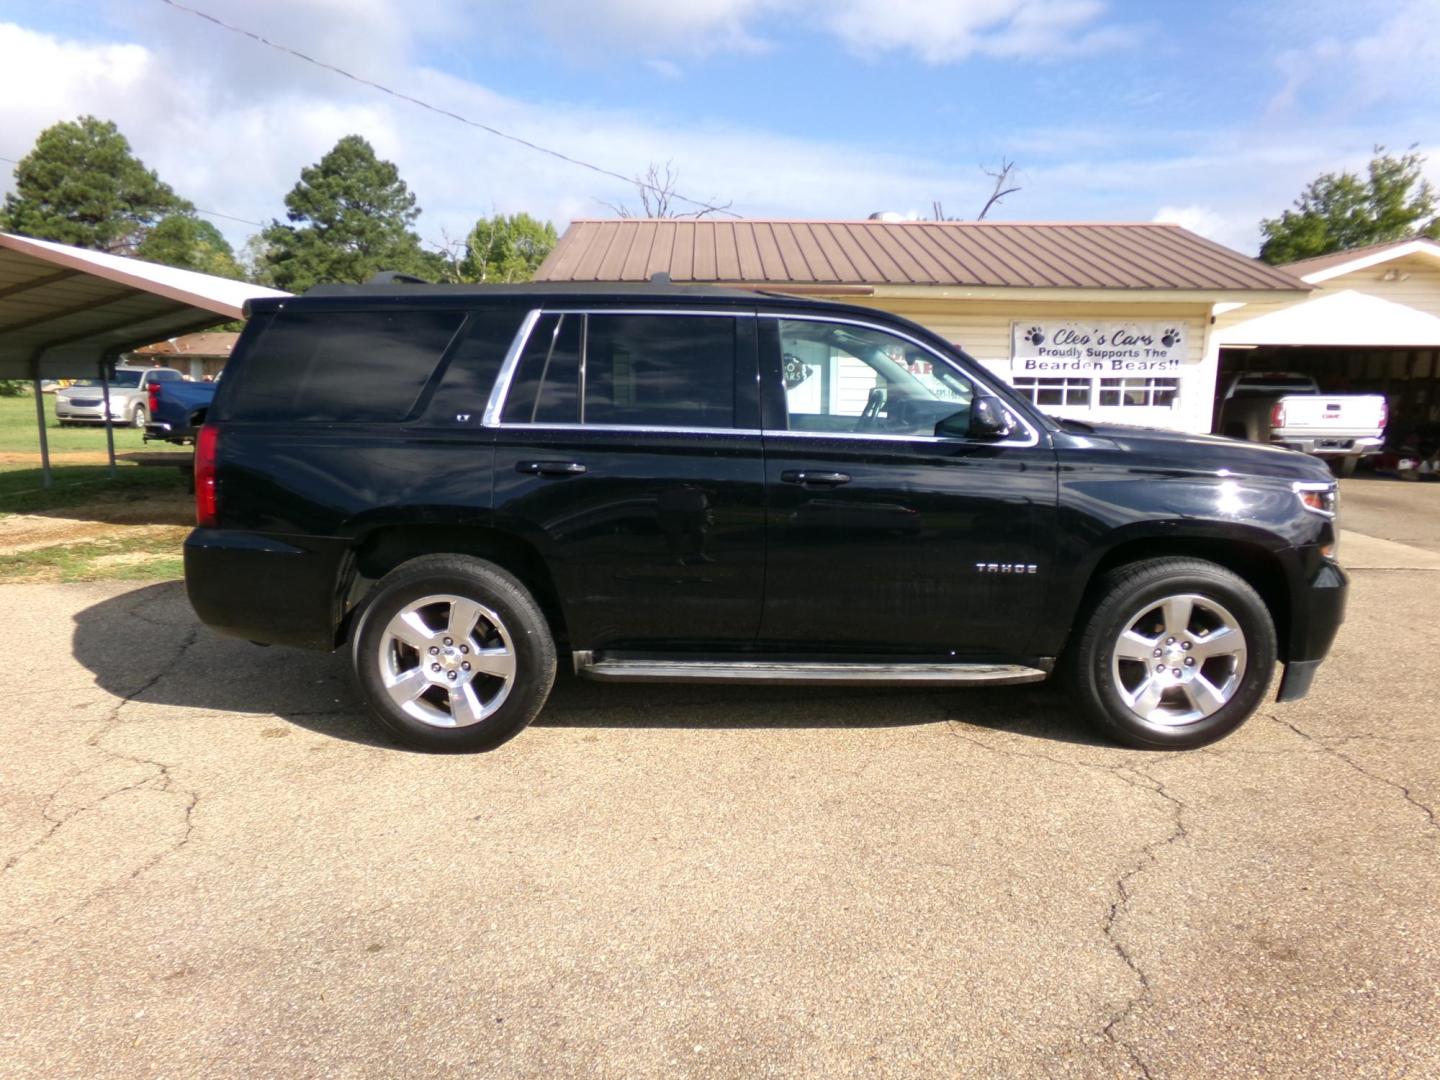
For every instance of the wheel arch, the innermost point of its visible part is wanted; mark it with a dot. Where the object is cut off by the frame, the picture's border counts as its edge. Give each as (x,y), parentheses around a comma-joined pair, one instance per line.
(1258,565)
(385,548)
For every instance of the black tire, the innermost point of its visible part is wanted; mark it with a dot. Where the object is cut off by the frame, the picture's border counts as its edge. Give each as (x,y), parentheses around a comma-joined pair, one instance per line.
(523,623)
(1345,466)
(139,416)
(1122,594)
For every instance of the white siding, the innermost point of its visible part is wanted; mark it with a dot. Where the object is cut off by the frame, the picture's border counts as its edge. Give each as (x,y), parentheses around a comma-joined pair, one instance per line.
(1419,289)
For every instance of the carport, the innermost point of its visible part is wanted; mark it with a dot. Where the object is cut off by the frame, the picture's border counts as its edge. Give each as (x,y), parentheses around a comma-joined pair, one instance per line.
(66,312)
(1370,325)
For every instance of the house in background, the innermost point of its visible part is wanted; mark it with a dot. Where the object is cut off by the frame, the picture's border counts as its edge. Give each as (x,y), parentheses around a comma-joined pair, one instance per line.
(194,355)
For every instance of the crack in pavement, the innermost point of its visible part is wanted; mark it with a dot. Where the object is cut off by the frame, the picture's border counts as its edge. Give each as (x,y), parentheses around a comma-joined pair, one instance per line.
(1430,819)
(1133,777)
(1121,904)
(160,779)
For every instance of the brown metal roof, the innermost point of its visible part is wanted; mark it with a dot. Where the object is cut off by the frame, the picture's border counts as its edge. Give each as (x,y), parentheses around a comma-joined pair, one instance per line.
(216,344)
(1028,255)
(1315,263)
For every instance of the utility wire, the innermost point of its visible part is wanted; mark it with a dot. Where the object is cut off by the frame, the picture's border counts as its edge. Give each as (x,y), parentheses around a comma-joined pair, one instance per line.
(704,206)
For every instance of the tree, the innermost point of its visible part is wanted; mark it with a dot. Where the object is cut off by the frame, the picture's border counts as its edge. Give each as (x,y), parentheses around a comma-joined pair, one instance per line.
(1002,176)
(349,217)
(1338,211)
(658,198)
(81,185)
(189,243)
(506,249)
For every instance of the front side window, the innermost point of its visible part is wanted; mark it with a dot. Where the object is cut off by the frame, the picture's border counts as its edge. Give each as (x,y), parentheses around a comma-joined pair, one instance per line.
(855,379)
(663,371)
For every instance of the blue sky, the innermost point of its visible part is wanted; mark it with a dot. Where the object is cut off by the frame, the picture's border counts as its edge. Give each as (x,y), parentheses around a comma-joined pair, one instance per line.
(1212,114)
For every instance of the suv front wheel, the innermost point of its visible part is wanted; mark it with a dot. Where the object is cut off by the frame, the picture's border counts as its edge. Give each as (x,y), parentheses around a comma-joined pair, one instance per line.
(453,653)
(1176,653)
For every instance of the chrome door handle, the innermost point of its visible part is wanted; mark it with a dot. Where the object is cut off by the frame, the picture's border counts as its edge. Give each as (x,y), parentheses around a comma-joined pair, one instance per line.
(814,479)
(550,468)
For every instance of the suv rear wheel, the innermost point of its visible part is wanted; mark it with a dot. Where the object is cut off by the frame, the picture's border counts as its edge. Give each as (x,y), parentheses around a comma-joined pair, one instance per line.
(139,416)
(1176,653)
(453,653)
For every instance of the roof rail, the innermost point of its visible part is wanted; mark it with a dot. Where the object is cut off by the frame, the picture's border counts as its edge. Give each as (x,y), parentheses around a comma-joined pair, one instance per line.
(395,277)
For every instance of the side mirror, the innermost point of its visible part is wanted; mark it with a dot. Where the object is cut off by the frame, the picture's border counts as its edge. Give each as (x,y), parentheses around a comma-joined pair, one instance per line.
(987,418)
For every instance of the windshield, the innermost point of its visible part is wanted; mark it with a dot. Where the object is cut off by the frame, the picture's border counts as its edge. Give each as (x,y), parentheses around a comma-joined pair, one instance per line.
(121,378)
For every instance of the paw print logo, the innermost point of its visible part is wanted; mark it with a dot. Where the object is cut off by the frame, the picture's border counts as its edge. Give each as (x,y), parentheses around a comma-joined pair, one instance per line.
(1035,336)
(1170,337)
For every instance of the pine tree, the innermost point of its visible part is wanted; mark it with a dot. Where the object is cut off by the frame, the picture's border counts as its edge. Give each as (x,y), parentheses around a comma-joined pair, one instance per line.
(349,217)
(82,185)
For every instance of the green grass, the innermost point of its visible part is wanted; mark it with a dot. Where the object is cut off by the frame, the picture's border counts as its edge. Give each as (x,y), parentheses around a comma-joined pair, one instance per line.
(18,434)
(155,558)
(80,485)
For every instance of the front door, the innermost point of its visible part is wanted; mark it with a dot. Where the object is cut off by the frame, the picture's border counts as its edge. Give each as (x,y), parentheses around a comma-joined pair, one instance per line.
(882,537)
(628,453)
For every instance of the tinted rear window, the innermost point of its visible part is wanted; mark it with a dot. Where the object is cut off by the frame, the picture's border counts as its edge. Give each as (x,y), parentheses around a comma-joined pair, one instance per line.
(474,362)
(337,366)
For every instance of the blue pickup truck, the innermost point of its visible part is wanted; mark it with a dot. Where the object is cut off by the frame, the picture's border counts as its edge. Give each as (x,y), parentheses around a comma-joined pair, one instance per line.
(177,409)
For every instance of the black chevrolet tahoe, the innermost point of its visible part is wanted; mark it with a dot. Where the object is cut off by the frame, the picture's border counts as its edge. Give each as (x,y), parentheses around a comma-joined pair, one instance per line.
(463,485)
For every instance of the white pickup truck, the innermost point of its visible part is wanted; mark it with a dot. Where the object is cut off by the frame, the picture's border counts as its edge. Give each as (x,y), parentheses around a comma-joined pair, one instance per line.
(1289,409)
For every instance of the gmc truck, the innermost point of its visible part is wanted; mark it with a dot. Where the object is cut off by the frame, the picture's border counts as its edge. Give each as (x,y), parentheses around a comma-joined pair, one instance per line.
(1288,409)
(464,486)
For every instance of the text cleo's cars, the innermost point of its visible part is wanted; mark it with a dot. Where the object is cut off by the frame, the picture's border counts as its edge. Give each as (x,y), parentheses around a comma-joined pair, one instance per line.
(463,485)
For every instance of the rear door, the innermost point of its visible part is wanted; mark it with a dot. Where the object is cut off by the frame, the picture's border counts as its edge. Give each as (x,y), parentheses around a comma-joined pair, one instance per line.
(628,452)
(882,537)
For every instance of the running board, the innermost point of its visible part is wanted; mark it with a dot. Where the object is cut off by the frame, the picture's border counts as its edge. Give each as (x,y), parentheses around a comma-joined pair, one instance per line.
(801,674)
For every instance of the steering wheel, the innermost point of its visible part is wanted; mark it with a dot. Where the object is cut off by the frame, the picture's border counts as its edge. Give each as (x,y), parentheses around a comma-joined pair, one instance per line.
(870,415)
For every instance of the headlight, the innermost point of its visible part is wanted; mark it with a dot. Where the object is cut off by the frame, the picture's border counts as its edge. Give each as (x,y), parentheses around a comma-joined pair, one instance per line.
(1319,498)
(1323,499)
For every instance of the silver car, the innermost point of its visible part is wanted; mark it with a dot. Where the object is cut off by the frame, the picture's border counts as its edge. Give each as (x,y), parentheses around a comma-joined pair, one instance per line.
(83,402)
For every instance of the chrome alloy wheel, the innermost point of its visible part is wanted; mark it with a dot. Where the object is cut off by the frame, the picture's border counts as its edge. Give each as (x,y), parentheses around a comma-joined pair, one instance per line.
(1179,659)
(447,661)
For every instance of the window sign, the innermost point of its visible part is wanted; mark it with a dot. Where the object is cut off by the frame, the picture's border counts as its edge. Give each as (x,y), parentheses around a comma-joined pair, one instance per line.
(1071,348)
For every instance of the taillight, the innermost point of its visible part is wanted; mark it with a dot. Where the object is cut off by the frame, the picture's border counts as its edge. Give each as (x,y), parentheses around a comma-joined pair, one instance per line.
(1277,414)
(1384,412)
(154,397)
(207,496)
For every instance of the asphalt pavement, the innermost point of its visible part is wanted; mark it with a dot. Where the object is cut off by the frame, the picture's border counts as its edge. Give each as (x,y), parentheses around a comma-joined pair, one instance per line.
(214,866)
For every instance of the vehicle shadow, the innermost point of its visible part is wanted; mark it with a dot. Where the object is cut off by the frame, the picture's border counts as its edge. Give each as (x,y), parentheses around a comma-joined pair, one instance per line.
(148,496)
(148,646)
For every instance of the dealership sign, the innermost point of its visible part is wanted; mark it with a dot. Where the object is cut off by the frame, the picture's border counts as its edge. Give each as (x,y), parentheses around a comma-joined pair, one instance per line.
(1089,348)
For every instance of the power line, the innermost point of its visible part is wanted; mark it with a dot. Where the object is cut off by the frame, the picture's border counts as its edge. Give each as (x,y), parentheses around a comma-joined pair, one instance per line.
(704,206)
(196,209)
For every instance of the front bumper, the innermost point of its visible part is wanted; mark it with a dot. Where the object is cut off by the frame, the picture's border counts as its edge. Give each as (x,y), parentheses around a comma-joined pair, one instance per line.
(87,413)
(1315,618)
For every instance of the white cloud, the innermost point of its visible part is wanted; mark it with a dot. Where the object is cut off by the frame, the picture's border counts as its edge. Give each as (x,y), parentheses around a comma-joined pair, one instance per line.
(1358,57)
(1198,219)
(940,32)
(238,148)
